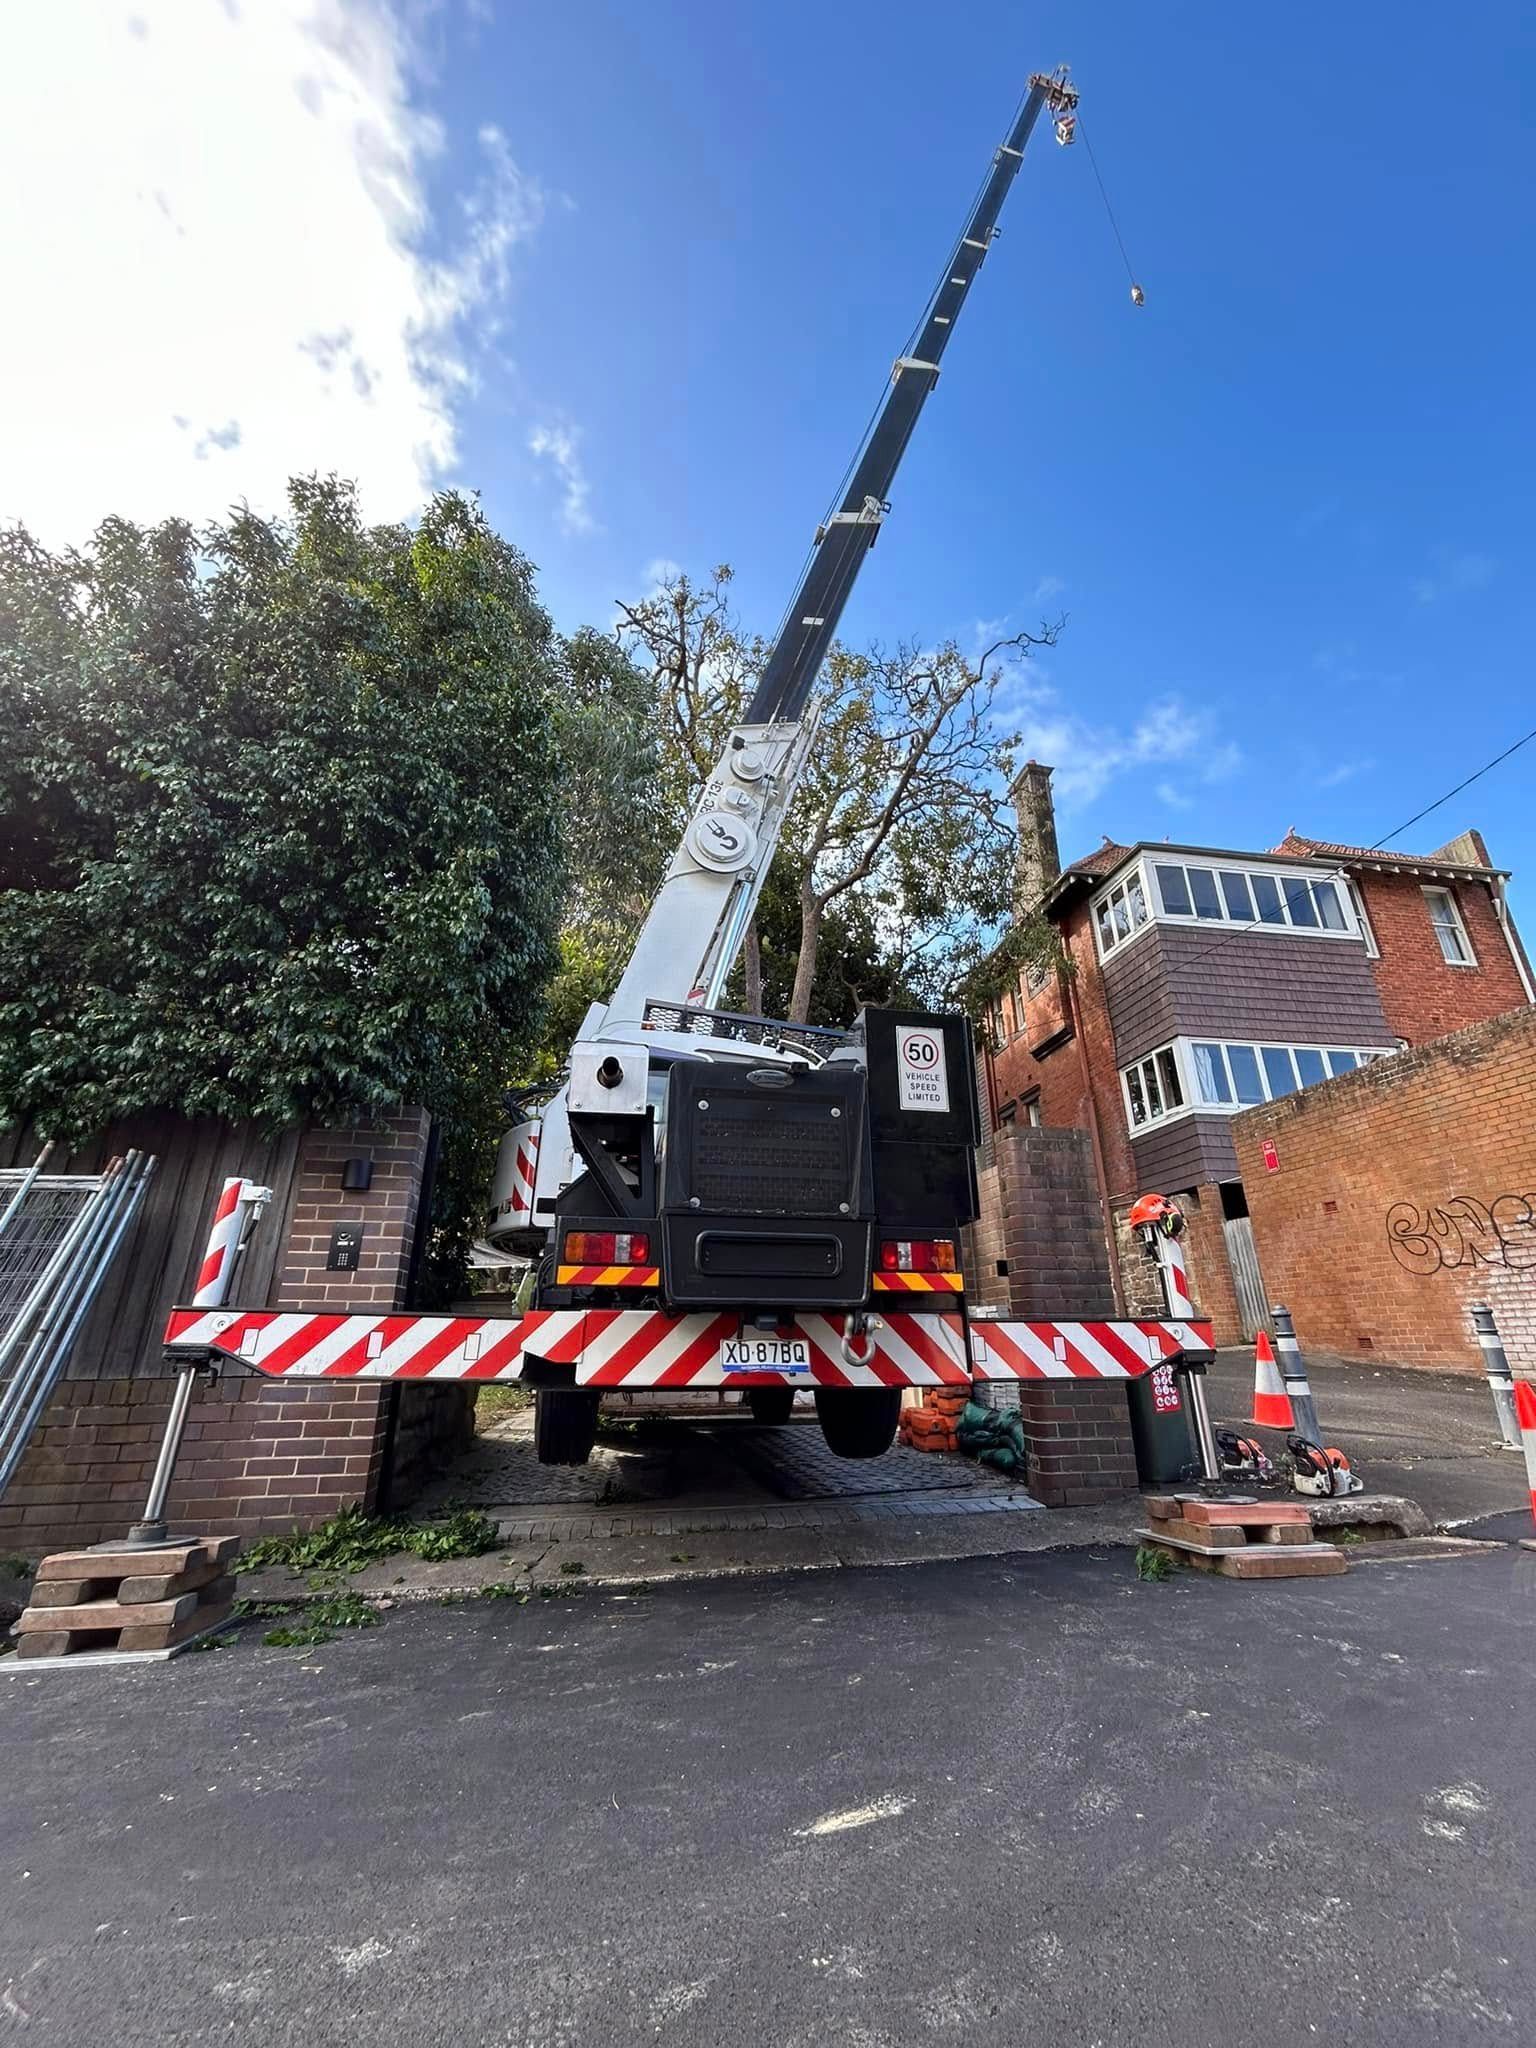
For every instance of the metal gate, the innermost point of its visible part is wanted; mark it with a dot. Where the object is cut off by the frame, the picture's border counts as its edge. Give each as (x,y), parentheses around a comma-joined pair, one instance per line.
(1247,1280)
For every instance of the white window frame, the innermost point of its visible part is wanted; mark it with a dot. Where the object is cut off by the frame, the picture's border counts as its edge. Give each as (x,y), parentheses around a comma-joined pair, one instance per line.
(1354,929)
(1182,1053)
(1357,905)
(1457,923)
(1120,886)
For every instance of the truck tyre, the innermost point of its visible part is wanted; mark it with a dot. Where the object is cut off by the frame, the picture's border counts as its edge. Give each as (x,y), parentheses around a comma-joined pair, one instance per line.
(858,1422)
(771,1405)
(564,1426)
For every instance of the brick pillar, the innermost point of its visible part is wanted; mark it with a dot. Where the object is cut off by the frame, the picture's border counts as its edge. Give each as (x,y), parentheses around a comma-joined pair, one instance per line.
(306,1448)
(1077,1434)
(386,1214)
(1052,1224)
(1044,1205)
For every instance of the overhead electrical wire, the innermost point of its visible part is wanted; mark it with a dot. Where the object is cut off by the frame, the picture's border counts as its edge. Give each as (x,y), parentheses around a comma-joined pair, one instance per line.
(1380,845)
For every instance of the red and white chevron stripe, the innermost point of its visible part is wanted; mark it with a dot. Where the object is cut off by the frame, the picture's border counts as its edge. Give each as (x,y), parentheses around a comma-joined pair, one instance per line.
(1079,1351)
(518,1205)
(646,1348)
(236,1201)
(608,1347)
(1175,1276)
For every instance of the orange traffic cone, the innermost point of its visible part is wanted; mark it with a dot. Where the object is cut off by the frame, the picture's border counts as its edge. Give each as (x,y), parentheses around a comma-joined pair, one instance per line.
(1271,1403)
(1525,1413)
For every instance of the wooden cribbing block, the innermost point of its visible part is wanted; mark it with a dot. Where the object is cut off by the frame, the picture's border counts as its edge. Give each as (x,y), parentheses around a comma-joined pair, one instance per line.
(1235,1513)
(207,1614)
(1252,1560)
(1236,1535)
(168,1585)
(95,1615)
(117,1561)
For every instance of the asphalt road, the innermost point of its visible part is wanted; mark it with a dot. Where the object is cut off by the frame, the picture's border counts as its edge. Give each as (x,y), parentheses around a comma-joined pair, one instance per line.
(992,1802)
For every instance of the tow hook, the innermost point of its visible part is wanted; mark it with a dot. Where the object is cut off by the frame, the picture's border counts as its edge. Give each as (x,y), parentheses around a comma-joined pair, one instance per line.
(859,1325)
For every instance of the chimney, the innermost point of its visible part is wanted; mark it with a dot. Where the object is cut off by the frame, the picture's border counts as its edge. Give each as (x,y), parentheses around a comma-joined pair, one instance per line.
(1037,859)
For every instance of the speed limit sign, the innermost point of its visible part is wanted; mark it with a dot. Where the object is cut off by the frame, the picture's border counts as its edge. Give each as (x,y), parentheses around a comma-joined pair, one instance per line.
(922,1079)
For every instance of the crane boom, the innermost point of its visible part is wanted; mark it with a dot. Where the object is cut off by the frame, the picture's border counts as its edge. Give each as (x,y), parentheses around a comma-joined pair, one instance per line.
(841,545)
(690,938)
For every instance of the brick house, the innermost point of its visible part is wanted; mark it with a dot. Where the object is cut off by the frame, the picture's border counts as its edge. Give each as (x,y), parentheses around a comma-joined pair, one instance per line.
(1204,981)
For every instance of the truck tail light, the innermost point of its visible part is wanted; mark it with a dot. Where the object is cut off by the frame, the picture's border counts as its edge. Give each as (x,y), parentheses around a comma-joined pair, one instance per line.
(917,1255)
(607,1247)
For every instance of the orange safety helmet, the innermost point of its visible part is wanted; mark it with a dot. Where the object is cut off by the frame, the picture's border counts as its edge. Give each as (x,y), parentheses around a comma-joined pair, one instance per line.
(1156,1212)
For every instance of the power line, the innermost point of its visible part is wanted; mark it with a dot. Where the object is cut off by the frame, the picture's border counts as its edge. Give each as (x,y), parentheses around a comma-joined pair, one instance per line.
(1467,784)
(1377,845)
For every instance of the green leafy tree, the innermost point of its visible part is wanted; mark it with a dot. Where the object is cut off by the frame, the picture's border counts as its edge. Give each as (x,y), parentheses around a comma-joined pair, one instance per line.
(282,825)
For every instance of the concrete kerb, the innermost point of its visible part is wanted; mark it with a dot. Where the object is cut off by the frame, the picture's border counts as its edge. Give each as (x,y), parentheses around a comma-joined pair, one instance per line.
(630,1559)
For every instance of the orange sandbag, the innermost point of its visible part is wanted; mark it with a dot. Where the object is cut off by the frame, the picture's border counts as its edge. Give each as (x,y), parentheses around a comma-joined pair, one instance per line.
(934,1439)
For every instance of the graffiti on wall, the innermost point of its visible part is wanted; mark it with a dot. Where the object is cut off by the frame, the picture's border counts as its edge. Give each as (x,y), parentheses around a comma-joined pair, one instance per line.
(1463,1232)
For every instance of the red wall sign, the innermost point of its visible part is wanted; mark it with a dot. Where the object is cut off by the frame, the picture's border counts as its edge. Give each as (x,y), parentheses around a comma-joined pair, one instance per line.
(1270,1156)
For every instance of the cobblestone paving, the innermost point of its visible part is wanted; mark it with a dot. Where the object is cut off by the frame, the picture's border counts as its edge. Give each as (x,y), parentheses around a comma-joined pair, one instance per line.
(501,1469)
(667,1478)
(795,1464)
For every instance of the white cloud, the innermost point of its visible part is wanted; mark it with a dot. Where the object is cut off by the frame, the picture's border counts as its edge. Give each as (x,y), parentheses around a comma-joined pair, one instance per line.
(221,264)
(1088,757)
(1343,771)
(1047,588)
(1175,799)
(1456,573)
(558,447)
(659,572)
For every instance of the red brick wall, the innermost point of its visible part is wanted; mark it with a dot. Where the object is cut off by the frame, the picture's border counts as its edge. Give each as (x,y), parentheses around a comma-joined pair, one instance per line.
(257,1454)
(1403,1194)
(1422,995)
(1081,1063)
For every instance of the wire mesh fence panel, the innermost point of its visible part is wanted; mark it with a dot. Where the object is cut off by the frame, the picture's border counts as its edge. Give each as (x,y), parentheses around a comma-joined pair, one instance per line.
(33,1229)
(58,1237)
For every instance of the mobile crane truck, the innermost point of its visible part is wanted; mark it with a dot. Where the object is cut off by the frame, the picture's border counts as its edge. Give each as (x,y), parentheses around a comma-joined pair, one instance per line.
(718,1200)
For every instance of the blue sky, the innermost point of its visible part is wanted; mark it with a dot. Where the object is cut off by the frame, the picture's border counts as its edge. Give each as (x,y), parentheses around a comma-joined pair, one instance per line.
(664,256)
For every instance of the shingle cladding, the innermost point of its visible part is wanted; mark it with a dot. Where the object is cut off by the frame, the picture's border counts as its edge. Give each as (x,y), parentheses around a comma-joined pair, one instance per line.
(1179,981)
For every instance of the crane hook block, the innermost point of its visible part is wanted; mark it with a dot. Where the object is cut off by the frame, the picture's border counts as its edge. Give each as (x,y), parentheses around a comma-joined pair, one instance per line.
(1066,130)
(1138,296)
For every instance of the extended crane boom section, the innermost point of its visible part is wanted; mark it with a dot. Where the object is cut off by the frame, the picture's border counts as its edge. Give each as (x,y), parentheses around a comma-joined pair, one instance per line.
(695,928)
(841,545)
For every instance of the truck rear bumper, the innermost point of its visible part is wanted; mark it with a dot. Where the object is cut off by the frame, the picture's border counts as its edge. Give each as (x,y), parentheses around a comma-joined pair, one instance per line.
(646,1348)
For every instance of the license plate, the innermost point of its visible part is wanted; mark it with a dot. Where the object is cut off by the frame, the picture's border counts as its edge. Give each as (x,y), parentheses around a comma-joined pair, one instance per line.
(765,1354)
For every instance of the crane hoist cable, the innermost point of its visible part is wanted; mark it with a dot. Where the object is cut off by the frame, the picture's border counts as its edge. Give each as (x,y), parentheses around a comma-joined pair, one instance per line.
(1138,296)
